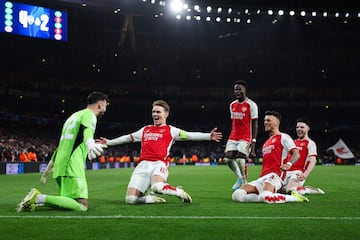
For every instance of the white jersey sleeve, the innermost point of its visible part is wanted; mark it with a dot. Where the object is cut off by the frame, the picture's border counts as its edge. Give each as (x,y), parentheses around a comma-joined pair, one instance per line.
(182,135)
(312,150)
(133,137)
(254,111)
(137,136)
(288,144)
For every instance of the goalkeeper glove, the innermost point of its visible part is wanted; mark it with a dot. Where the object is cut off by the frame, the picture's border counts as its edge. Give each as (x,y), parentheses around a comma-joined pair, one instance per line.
(94,149)
(47,172)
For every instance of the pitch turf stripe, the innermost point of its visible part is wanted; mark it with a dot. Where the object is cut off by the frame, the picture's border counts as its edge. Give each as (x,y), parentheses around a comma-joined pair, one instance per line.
(183,217)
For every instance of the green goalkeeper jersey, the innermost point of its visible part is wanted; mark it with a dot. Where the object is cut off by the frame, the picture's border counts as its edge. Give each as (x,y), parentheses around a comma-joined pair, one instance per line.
(70,156)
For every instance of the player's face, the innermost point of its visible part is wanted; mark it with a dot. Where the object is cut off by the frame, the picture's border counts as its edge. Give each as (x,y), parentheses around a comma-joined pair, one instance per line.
(159,115)
(102,105)
(270,122)
(302,129)
(240,92)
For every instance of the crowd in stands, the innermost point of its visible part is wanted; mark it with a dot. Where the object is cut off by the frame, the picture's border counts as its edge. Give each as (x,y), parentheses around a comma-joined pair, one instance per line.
(28,145)
(295,68)
(19,144)
(23,145)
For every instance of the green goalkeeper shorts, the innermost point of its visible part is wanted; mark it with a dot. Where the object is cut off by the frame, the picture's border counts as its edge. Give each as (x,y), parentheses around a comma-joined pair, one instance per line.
(72,187)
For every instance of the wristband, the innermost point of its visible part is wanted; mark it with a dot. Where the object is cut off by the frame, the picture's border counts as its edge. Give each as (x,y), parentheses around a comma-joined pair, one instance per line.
(253,140)
(290,163)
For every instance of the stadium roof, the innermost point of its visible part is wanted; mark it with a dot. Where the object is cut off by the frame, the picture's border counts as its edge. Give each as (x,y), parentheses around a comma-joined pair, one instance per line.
(296,4)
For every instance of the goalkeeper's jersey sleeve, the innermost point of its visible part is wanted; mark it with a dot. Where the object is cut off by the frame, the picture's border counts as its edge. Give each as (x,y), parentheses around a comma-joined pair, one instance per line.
(71,153)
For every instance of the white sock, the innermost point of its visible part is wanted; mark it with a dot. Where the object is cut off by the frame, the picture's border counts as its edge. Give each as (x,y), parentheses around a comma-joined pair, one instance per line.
(241,195)
(40,199)
(269,197)
(165,188)
(139,200)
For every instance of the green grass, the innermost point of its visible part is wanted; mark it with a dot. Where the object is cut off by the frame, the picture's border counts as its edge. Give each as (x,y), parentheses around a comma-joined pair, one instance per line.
(212,215)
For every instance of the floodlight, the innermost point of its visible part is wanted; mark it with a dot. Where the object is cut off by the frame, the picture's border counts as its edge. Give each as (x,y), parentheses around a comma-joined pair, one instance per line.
(176,6)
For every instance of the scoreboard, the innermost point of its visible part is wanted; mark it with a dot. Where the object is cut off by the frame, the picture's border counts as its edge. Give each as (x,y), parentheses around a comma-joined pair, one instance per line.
(33,21)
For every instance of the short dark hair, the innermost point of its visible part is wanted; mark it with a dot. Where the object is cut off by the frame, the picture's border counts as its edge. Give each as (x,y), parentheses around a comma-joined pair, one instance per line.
(163,104)
(273,113)
(241,82)
(95,96)
(303,120)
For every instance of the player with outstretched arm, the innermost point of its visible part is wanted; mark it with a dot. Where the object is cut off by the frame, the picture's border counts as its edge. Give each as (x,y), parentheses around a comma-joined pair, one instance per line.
(151,173)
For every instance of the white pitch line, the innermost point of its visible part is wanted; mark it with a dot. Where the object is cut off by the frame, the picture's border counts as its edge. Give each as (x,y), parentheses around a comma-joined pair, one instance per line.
(181,217)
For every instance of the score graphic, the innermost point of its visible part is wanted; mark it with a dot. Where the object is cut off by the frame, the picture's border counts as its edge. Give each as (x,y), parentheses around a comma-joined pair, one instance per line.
(33,21)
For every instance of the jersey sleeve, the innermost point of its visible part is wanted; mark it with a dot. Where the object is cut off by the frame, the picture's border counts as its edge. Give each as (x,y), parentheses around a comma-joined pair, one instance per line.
(175,133)
(312,150)
(137,136)
(287,142)
(88,121)
(182,135)
(254,111)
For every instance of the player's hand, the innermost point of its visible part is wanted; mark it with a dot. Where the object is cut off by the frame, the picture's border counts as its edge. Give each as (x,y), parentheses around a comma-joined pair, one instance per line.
(43,179)
(47,172)
(285,167)
(215,136)
(102,140)
(94,149)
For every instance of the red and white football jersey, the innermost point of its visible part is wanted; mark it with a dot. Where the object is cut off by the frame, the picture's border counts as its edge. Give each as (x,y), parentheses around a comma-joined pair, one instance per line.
(275,151)
(242,115)
(307,148)
(156,141)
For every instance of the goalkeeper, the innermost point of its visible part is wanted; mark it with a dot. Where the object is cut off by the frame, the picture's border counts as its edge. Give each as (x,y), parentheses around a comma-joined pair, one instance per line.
(68,162)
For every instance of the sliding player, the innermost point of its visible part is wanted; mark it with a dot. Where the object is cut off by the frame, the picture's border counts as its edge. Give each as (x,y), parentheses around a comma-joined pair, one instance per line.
(275,150)
(298,173)
(151,174)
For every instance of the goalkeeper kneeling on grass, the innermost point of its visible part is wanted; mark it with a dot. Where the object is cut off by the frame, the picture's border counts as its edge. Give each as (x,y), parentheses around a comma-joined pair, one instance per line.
(67,164)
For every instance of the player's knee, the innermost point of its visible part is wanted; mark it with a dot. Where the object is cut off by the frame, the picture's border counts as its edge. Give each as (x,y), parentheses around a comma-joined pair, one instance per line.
(157,187)
(131,199)
(239,195)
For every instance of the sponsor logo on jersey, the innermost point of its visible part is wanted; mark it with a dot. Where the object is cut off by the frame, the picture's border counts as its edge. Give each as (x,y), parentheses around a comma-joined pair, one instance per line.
(267,149)
(237,115)
(152,136)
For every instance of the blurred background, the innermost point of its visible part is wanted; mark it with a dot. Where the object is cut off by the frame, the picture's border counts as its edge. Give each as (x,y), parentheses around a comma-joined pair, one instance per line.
(300,58)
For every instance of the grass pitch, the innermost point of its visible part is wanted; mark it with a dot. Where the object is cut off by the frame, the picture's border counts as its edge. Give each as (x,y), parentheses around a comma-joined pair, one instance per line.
(212,215)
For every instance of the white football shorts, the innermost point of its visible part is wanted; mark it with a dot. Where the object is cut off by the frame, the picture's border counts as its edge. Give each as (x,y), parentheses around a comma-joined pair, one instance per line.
(144,172)
(240,146)
(271,178)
